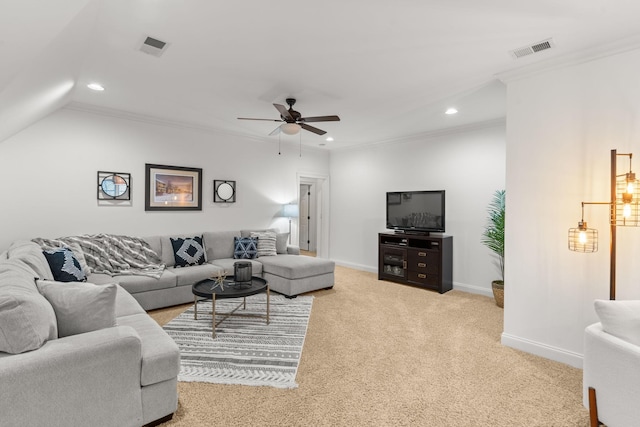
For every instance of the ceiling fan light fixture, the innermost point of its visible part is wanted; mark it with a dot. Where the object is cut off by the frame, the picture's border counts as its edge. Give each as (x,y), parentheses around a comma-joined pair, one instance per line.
(290,128)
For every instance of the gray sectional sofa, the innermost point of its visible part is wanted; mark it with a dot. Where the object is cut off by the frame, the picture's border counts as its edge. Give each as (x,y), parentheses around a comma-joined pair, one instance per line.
(77,354)
(66,362)
(287,273)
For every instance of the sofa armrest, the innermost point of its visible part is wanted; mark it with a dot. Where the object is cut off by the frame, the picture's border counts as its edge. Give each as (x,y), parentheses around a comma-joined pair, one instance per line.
(612,367)
(84,379)
(293,250)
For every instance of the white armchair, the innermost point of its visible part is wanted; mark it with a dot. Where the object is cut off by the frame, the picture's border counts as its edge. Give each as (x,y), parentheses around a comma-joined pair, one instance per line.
(611,369)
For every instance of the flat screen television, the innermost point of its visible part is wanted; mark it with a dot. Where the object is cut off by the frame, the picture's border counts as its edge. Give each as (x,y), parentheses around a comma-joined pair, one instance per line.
(416,211)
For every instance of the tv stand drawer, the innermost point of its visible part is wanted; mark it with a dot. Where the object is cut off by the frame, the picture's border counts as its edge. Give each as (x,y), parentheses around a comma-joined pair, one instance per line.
(423,261)
(423,279)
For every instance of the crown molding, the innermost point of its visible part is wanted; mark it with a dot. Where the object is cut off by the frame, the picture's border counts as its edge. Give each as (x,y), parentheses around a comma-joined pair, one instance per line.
(586,55)
(143,118)
(434,134)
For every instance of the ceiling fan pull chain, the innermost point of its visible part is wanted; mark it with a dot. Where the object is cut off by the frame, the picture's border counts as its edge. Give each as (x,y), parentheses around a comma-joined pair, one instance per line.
(300,135)
(279,138)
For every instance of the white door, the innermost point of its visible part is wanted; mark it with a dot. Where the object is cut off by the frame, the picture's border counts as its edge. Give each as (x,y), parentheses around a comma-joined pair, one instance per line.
(305,194)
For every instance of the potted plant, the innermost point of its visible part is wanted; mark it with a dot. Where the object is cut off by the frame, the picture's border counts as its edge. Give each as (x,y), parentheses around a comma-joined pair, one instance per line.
(493,238)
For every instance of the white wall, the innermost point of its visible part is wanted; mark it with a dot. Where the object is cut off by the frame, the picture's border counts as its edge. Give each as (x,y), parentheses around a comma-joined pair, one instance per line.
(49,177)
(469,165)
(561,126)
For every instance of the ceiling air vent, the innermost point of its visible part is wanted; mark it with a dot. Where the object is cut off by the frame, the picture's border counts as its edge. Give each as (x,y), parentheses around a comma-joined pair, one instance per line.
(153,46)
(531,49)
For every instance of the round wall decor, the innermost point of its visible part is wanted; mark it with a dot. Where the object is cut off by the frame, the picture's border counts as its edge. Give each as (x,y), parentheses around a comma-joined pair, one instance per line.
(224,191)
(114,186)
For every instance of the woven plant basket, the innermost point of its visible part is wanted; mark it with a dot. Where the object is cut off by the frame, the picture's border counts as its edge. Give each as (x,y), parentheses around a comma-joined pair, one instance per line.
(498,292)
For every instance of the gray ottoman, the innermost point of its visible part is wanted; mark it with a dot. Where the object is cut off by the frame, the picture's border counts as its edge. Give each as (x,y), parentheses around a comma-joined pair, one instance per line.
(292,275)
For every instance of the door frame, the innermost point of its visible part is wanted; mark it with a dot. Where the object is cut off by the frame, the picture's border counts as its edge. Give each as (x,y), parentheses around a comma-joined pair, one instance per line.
(322,209)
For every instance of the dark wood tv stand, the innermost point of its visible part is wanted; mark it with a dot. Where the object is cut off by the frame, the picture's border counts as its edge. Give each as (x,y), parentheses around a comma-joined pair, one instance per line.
(415,259)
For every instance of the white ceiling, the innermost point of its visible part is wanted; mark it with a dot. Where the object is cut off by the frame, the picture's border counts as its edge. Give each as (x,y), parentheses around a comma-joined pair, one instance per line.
(388,69)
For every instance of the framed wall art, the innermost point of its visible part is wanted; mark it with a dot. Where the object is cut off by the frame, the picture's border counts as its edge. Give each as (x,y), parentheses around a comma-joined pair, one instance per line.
(224,191)
(114,186)
(172,188)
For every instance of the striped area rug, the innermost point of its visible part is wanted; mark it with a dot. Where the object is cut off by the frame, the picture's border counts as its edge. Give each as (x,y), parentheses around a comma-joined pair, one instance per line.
(246,350)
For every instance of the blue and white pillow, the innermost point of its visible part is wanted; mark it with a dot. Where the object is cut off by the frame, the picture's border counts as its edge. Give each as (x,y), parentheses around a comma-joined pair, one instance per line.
(64,265)
(245,247)
(188,251)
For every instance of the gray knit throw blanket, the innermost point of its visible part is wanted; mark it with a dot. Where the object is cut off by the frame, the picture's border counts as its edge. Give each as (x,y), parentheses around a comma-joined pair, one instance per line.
(111,254)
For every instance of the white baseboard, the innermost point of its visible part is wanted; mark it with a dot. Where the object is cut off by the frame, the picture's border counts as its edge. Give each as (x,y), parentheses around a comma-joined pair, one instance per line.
(360,267)
(472,289)
(544,350)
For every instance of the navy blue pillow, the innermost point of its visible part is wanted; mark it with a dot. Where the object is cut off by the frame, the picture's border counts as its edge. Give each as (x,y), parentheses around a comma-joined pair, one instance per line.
(189,251)
(245,247)
(64,265)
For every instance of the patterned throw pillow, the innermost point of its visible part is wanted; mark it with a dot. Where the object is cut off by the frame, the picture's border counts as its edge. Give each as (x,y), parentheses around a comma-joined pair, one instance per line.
(266,243)
(189,251)
(245,247)
(64,265)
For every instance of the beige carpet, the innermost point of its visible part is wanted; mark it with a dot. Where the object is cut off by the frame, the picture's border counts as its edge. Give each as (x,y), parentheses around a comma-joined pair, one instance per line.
(384,354)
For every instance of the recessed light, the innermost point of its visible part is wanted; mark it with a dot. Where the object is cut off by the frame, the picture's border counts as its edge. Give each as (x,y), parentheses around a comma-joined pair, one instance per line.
(329,138)
(451,111)
(95,86)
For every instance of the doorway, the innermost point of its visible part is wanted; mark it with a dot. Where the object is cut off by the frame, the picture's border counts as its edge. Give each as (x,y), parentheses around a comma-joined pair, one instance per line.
(313,225)
(308,221)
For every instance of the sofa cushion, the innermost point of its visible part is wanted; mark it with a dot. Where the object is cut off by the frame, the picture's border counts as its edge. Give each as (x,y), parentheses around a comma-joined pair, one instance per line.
(188,251)
(64,265)
(126,304)
(192,275)
(137,283)
(155,244)
(27,319)
(620,318)
(80,307)
(296,266)
(245,247)
(281,242)
(31,254)
(219,244)
(25,322)
(266,243)
(160,354)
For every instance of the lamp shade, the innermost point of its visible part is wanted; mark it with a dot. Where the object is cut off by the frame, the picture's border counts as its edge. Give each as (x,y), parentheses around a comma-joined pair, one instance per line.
(583,239)
(290,128)
(626,211)
(290,211)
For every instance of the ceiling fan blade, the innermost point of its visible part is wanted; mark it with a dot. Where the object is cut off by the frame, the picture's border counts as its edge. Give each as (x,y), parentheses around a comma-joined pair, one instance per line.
(275,131)
(312,129)
(283,112)
(266,120)
(320,119)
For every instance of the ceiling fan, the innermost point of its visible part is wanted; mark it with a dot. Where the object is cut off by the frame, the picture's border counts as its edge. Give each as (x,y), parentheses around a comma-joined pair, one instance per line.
(293,120)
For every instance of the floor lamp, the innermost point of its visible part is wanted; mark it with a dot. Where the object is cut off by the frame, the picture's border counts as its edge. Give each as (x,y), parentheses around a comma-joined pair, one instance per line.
(290,211)
(624,211)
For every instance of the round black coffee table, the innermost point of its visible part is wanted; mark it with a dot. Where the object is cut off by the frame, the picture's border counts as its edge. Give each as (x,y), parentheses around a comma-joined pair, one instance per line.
(208,289)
